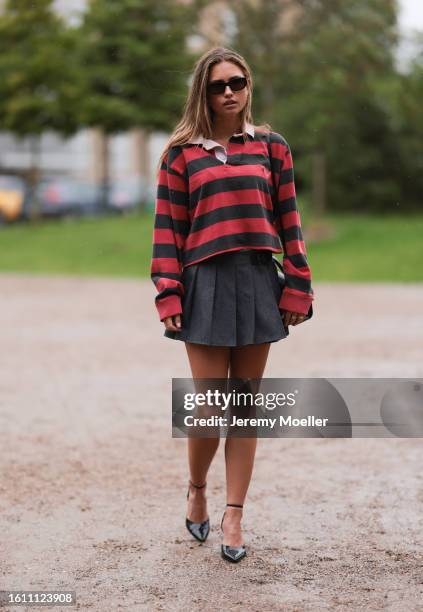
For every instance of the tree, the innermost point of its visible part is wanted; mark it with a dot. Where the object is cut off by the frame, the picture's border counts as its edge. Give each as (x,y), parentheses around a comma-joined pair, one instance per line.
(38,81)
(319,68)
(344,51)
(136,65)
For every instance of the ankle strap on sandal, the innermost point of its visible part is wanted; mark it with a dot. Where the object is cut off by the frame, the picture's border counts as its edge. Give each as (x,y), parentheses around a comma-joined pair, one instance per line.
(197,486)
(235,505)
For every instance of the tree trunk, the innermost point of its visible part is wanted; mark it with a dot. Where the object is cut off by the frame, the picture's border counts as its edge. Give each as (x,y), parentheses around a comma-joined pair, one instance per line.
(105,183)
(34,176)
(319,228)
(141,155)
(318,183)
(101,165)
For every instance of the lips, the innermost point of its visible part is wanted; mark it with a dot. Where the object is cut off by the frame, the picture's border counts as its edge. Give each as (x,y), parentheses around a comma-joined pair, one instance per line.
(231,103)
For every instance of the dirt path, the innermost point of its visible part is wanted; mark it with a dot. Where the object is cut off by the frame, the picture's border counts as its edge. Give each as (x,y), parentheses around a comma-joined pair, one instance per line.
(92,486)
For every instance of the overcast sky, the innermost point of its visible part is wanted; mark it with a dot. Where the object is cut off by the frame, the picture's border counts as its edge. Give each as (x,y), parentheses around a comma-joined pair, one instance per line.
(410,19)
(411,14)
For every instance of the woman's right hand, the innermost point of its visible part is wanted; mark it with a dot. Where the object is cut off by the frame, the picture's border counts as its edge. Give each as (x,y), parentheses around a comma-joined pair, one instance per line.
(173,323)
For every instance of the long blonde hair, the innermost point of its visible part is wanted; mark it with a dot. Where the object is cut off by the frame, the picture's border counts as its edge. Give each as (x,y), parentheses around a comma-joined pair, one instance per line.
(197,116)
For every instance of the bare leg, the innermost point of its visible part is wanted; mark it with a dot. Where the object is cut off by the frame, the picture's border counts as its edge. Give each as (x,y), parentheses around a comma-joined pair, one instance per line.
(206,362)
(246,362)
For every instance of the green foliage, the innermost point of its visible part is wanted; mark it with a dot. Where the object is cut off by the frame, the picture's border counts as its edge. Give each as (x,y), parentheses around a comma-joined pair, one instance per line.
(136,63)
(406,100)
(329,83)
(343,52)
(38,80)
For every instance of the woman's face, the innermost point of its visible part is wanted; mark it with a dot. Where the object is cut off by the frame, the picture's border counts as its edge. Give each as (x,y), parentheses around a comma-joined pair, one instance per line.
(223,72)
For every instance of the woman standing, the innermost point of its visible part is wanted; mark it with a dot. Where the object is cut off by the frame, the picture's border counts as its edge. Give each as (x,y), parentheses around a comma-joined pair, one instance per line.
(225,202)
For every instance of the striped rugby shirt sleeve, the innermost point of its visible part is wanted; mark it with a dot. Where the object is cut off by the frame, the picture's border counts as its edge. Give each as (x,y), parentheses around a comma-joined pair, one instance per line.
(171,226)
(298,294)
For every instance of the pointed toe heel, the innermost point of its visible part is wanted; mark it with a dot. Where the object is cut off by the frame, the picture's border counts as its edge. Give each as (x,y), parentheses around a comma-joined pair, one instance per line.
(234,554)
(199,531)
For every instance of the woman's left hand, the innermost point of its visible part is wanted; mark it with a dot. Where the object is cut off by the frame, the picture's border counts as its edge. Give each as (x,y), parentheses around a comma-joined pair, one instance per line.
(292,318)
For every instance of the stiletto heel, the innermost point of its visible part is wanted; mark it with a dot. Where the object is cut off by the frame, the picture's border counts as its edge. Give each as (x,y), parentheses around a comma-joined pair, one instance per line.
(200,531)
(232,553)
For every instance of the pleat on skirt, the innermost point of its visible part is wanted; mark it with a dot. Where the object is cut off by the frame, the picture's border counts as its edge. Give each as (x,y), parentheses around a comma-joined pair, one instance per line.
(231,299)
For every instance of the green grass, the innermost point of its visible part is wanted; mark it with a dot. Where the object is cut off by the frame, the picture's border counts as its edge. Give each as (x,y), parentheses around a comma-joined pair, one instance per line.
(108,246)
(369,249)
(362,248)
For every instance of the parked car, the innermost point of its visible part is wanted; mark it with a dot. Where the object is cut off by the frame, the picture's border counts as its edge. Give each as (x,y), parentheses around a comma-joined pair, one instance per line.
(66,196)
(13,197)
(127,194)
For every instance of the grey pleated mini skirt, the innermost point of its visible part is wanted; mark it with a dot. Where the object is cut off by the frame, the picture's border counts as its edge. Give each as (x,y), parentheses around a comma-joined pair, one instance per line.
(231,299)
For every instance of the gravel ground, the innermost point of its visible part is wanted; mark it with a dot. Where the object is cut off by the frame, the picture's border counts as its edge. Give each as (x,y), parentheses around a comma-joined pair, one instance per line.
(93,486)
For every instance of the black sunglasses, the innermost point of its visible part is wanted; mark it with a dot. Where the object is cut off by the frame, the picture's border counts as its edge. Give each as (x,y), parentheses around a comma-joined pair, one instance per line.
(235,83)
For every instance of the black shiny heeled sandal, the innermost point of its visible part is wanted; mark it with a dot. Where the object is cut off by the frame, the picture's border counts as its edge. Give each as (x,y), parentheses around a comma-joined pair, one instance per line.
(200,531)
(232,553)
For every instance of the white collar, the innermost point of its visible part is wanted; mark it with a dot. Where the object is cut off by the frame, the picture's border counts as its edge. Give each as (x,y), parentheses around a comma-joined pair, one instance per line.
(210,144)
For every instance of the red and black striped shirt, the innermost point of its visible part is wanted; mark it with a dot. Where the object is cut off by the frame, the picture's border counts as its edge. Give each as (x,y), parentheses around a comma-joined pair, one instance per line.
(205,206)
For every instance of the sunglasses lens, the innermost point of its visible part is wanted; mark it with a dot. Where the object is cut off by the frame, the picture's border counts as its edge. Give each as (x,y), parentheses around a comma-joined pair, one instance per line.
(216,88)
(235,84)
(238,84)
